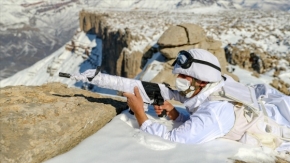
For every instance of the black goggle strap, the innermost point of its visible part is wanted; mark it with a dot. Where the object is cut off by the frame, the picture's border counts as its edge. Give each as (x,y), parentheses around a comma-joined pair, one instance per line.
(174,62)
(206,63)
(199,61)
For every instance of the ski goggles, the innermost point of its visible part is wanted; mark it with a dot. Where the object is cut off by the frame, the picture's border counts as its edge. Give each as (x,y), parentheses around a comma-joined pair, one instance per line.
(184,60)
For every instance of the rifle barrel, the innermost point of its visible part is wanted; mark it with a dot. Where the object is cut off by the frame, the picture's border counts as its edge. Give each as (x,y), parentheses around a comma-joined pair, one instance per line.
(62,74)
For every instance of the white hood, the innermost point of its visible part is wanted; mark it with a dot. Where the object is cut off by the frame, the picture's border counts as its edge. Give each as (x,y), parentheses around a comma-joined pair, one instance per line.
(197,100)
(201,71)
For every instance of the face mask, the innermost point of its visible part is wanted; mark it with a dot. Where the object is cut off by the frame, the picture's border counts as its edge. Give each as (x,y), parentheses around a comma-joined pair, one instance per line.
(184,87)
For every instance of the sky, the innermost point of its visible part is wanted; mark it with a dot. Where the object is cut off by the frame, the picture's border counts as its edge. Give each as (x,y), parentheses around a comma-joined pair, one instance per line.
(120,140)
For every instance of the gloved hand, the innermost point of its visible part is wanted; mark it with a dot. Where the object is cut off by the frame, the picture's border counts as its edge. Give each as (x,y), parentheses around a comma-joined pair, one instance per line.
(84,76)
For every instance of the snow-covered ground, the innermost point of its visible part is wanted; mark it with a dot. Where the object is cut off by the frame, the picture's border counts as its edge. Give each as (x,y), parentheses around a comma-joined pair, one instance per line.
(121,140)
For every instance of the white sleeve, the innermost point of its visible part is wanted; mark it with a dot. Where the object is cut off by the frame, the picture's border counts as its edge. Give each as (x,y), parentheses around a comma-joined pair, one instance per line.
(127,85)
(120,84)
(171,94)
(212,120)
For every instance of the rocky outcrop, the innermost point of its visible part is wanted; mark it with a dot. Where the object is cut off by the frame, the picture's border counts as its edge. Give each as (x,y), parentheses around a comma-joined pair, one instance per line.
(185,37)
(121,58)
(176,36)
(118,59)
(118,56)
(39,122)
(281,86)
(267,63)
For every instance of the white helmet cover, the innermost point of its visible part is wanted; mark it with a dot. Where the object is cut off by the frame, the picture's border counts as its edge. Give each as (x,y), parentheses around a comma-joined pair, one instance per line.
(201,71)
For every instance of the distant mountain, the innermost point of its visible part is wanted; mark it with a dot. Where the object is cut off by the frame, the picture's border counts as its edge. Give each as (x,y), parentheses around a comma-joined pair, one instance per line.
(33,29)
(264,33)
(283,5)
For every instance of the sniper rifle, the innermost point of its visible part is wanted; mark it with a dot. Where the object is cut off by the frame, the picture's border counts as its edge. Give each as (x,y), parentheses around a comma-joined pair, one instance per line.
(152,90)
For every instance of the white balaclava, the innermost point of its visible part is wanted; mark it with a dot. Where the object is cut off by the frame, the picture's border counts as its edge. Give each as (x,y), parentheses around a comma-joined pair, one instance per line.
(206,67)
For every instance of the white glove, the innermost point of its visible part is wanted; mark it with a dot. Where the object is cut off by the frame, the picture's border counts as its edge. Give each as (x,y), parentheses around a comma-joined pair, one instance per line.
(84,76)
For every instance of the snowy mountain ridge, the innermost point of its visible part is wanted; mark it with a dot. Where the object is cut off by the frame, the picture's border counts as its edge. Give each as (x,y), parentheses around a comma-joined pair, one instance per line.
(30,35)
(150,30)
(265,31)
(34,29)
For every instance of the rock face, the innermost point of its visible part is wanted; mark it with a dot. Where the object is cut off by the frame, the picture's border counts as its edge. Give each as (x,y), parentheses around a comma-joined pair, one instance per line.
(281,86)
(241,57)
(129,36)
(117,56)
(185,37)
(40,122)
(174,36)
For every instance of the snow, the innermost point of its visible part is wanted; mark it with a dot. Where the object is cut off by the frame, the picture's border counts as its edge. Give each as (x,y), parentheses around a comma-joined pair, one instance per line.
(54,27)
(7,16)
(121,140)
(246,77)
(264,4)
(189,4)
